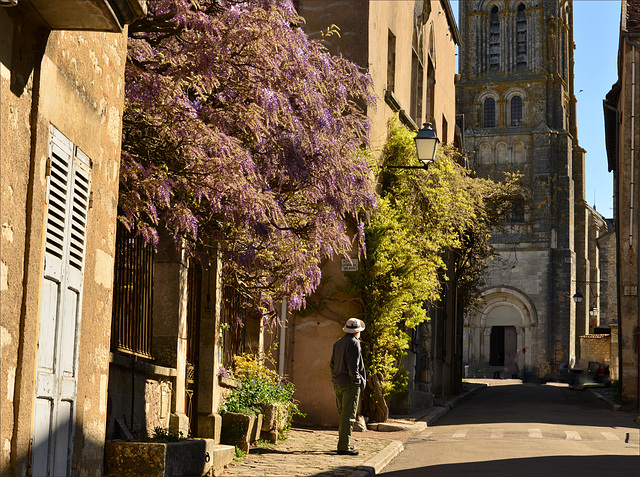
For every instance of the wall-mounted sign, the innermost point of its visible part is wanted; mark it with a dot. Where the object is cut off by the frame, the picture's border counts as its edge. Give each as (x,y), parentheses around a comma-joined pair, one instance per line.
(349,264)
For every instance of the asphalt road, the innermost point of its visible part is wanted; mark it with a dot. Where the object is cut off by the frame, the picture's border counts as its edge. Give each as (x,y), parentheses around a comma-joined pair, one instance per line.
(515,429)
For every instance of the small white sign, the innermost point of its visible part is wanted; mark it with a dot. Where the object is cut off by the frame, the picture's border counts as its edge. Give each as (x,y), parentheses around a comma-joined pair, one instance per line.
(349,264)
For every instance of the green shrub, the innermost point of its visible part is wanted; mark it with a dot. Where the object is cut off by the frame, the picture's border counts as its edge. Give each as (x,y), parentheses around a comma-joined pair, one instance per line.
(260,385)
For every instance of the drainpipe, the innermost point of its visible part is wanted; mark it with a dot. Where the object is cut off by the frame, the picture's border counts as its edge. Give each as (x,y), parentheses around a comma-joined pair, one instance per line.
(283,327)
(634,46)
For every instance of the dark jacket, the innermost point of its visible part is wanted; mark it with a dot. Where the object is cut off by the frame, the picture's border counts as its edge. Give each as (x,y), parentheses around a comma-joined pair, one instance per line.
(347,364)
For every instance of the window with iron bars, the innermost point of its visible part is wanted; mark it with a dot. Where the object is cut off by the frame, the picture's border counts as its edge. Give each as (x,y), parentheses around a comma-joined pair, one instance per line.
(516,111)
(131,321)
(489,113)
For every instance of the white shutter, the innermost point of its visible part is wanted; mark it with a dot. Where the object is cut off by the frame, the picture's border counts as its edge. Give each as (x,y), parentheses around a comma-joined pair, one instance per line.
(68,190)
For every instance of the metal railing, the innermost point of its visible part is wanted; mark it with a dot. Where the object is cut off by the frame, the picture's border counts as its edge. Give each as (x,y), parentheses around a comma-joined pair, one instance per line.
(132,295)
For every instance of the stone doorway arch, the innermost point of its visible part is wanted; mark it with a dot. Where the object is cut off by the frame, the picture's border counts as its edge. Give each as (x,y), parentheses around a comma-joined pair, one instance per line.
(510,316)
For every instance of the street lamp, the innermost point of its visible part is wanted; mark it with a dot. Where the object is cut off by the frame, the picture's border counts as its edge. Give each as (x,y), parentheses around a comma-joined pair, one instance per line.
(426,146)
(578,297)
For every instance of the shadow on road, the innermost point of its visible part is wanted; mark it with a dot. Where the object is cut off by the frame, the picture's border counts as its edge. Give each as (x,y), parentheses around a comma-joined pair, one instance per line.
(515,402)
(548,466)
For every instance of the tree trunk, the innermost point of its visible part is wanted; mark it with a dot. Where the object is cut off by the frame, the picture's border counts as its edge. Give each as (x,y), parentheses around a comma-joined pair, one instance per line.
(374,405)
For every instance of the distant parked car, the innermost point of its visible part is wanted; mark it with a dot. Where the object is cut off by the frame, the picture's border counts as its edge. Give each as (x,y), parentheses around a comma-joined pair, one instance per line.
(600,373)
(596,375)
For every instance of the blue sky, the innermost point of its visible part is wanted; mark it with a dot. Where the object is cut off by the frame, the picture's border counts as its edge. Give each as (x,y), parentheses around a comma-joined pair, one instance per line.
(596,35)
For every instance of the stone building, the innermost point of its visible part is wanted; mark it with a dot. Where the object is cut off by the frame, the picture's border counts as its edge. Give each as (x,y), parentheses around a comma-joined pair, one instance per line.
(61,98)
(622,133)
(517,95)
(408,47)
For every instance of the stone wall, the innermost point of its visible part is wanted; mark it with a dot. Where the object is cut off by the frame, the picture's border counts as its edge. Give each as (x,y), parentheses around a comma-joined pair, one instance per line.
(595,348)
(140,396)
(73,81)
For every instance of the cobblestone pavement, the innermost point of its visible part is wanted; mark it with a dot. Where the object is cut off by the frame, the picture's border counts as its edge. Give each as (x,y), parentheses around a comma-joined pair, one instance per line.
(311,452)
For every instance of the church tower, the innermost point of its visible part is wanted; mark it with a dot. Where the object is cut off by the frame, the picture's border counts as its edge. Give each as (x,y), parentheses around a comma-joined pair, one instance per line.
(516,94)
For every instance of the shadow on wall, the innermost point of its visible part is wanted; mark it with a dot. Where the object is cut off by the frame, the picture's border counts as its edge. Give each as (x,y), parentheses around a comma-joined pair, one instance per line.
(52,454)
(139,399)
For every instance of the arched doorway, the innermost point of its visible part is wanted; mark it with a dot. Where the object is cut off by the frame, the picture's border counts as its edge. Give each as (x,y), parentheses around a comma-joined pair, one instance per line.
(500,332)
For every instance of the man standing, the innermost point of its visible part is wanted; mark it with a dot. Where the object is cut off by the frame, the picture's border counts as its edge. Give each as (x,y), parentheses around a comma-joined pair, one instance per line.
(349,379)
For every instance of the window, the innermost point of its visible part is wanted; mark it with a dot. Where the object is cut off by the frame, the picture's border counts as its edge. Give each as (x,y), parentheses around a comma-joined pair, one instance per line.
(518,152)
(417,79)
(517,211)
(445,130)
(489,113)
(494,40)
(516,111)
(391,62)
(485,153)
(502,153)
(521,37)
(132,295)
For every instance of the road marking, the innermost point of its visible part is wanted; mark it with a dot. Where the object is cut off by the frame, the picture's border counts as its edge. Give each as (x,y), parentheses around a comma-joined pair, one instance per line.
(460,434)
(573,436)
(536,433)
(497,434)
(610,436)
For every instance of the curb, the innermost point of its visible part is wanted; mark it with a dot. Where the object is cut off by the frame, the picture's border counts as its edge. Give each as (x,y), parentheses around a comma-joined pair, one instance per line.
(614,406)
(378,462)
(375,465)
(437,412)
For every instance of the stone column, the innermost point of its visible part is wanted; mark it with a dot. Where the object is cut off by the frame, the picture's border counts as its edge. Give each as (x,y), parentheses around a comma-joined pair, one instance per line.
(486,347)
(209,421)
(170,323)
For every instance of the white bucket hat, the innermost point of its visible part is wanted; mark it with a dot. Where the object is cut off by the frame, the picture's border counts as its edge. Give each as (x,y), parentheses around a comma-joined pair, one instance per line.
(353,325)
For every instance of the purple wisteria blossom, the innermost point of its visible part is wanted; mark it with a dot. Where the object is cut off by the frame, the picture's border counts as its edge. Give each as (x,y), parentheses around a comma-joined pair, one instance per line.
(240,131)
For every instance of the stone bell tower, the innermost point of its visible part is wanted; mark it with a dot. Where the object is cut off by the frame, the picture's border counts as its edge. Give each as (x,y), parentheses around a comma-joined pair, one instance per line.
(516,95)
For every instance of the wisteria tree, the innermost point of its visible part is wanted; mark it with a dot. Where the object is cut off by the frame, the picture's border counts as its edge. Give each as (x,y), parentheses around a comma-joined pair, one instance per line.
(240,131)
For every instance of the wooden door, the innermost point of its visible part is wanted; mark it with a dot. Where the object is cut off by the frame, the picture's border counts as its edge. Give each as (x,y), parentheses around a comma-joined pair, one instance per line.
(68,188)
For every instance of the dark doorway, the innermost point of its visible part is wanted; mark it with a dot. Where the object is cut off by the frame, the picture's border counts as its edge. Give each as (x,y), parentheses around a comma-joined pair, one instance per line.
(504,348)
(497,346)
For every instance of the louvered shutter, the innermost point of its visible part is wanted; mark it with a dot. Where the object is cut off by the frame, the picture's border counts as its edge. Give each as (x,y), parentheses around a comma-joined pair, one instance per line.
(68,189)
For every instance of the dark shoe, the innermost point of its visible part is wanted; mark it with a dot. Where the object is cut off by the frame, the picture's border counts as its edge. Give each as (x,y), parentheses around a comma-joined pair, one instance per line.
(348,452)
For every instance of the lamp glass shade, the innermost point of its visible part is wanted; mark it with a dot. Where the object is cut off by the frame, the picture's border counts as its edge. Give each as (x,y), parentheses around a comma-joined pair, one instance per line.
(426,144)
(578,297)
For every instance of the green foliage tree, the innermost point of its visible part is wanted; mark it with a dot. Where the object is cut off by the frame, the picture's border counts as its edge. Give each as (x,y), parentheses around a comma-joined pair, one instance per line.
(421,215)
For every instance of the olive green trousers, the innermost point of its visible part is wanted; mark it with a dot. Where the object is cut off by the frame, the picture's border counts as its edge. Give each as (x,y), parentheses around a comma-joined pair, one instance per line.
(347,397)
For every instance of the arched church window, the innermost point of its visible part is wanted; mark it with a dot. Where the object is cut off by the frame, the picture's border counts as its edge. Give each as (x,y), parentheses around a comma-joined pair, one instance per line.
(521,37)
(518,152)
(502,154)
(516,111)
(489,119)
(494,40)
(485,153)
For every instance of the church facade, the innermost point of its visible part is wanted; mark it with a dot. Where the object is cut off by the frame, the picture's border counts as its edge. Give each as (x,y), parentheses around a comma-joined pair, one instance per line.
(516,94)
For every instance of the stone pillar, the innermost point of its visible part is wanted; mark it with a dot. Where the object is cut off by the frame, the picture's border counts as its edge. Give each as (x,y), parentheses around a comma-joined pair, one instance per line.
(486,347)
(466,346)
(170,323)
(529,351)
(209,396)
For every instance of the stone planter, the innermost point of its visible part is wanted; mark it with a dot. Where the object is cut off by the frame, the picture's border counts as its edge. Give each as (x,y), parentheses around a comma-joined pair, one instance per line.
(238,430)
(274,422)
(186,458)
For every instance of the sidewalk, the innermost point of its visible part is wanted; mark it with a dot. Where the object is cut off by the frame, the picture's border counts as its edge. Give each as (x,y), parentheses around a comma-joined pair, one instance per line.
(311,452)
